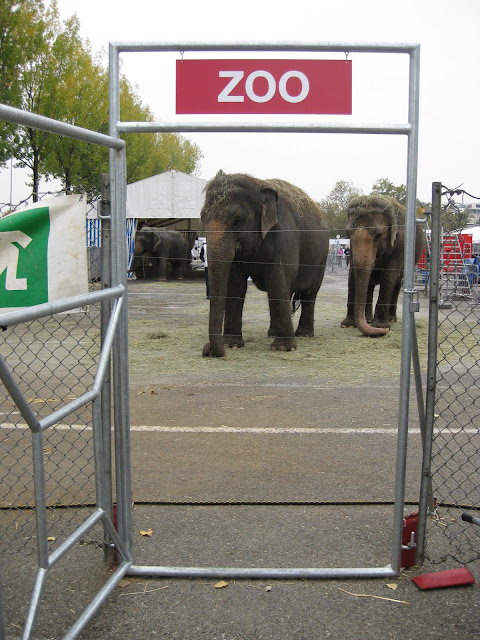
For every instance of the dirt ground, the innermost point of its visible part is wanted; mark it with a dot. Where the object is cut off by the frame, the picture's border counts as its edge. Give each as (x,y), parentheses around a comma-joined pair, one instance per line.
(168,325)
(259,425)
(258,459)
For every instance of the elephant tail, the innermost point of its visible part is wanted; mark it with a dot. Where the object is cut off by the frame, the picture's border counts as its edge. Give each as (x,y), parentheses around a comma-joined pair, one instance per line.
(296,301)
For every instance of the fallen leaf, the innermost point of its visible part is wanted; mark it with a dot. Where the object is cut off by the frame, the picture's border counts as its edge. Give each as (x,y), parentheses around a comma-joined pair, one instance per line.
(147,533)
(124,583)
(51,538)
(221,585)
(392,586)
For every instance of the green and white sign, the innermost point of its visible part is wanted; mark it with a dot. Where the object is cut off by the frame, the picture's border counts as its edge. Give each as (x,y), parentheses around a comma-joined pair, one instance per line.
(43,253)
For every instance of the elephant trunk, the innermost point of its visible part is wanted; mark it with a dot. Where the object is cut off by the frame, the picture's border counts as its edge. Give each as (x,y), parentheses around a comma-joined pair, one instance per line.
(363,261)
(220,253)
(362,277)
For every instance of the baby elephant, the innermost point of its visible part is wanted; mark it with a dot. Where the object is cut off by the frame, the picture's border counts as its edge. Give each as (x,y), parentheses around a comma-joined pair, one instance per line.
(376,228)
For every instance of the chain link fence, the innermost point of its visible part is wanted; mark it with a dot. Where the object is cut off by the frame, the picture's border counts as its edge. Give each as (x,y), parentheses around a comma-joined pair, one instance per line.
(54,361)
(455,468)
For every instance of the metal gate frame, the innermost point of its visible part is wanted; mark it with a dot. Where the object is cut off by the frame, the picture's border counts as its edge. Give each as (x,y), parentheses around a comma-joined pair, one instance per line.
(114,349)
(410,298)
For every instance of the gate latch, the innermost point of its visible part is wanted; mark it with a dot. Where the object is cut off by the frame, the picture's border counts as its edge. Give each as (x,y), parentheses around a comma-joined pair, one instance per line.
(414,304)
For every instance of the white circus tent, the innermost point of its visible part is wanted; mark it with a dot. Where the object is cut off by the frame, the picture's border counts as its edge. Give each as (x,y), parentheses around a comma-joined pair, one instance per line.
(166,196)
(172,199)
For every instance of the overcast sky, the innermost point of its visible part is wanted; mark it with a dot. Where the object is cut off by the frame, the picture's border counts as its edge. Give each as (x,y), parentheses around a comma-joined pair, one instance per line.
(449,136)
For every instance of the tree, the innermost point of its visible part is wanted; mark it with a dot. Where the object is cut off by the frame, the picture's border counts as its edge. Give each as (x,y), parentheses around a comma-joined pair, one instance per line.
(38,85)
(81,82)
(79,165)
(21,29)
(335,206)
(176,152)
(453,219)
(63,80)
(385,187)
(151,153)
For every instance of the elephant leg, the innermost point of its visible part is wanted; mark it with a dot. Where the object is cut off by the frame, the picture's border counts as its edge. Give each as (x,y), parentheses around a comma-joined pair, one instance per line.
(307,317)
(382,309)
(392,312)
(281,326)
(236,291)
(349,320)
(177,269)
(306,322)
(161,268)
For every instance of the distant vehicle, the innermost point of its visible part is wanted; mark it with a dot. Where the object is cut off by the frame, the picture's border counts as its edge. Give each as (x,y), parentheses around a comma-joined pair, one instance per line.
(197,262)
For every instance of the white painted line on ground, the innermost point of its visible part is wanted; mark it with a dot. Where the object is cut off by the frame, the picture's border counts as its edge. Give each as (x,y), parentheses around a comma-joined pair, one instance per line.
(256,430)
(270,430)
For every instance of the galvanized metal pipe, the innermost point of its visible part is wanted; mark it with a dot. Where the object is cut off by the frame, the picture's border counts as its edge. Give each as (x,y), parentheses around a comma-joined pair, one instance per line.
(35,599)
(262,127)
(17,396)
(407,317)
(104,361)
(106,392)
(28,119)
(120,346)
(254,573)
(426,496)
(75,537)
(420,397)
(69,408)
(339,47)
(2,618)
(97,602)
(46,309)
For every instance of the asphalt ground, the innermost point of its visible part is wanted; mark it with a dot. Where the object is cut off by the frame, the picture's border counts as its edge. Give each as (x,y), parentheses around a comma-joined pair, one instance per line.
(258,460)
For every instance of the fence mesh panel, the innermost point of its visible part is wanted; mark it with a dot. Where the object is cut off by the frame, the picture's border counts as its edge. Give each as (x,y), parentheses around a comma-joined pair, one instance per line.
(54,361)
(456,443)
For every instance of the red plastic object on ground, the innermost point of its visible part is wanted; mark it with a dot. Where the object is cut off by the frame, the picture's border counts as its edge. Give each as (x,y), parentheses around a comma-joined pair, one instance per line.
(409,539)
(449,578)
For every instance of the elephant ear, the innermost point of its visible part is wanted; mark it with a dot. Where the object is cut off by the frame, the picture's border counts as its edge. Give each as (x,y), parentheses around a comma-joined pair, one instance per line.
(269,209)
(393,229)
(393,224)
(156,242)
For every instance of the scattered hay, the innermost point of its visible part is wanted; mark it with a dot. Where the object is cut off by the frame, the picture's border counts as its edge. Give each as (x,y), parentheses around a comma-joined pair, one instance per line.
(334,355)
(157,335)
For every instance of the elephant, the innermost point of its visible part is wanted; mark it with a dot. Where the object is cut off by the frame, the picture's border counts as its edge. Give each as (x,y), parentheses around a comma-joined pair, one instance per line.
(376,228)
(269,231)
(156,246)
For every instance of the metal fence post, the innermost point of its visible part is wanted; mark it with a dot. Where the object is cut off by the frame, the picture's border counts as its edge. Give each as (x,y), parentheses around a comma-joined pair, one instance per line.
(408,311)
(106,413)
(118,183)
(2,621)
(426,497)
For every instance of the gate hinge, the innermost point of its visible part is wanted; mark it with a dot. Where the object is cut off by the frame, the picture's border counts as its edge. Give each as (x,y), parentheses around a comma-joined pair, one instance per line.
(414,304)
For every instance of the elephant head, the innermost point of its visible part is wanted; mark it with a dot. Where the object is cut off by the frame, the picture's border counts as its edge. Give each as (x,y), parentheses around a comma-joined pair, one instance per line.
(147,240)
(376,243)
(238,213)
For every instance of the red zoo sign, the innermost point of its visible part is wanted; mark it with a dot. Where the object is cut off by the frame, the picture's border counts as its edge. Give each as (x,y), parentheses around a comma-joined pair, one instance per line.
(264,86)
